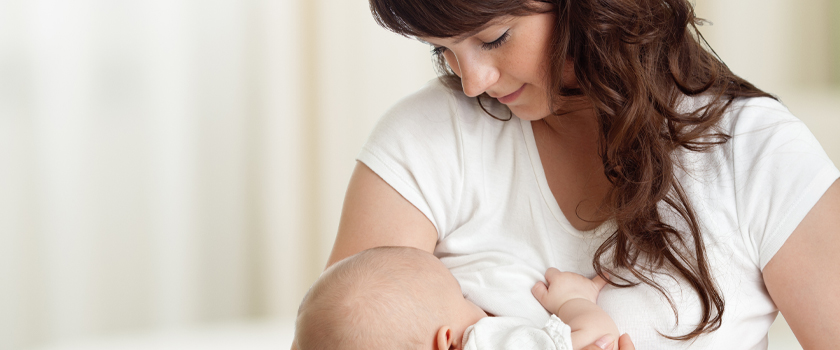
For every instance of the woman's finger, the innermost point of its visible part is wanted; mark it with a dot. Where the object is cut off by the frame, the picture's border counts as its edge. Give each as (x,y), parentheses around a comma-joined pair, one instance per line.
(624,343)
(606,342)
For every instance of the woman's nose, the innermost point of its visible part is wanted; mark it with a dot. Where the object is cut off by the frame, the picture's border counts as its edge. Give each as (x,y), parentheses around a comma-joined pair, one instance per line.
(477,75)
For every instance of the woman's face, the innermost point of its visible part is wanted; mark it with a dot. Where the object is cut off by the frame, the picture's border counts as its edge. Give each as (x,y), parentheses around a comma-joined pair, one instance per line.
(507,59)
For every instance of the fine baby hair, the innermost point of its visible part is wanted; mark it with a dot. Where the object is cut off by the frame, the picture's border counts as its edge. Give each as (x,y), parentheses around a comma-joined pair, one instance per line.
(379,298)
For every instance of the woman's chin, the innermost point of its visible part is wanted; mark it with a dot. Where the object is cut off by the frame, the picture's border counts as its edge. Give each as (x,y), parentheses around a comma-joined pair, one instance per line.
(530,114)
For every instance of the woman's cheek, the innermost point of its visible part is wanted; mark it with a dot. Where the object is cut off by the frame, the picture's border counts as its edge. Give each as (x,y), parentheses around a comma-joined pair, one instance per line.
(452,62)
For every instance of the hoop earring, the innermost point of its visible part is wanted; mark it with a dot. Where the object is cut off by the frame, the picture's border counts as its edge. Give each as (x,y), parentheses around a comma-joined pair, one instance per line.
(510,113)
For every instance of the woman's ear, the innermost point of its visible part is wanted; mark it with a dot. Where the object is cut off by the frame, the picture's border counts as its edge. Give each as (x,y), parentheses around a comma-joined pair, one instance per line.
(444,338)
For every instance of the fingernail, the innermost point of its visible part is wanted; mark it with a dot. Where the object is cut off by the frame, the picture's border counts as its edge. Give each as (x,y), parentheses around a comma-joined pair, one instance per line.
(605,342)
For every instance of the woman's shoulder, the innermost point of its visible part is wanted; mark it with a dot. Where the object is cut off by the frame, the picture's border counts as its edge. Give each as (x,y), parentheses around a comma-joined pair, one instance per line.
(431,107)
(763,180)
(764,137)
(417,148)
(782,172)
(434,121)
(433,95)
(743,112)
(763,128)
(434,101)
(759,129)
(757,113)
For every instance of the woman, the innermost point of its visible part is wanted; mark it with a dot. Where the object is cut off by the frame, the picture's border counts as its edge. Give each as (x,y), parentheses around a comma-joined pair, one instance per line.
(598,136)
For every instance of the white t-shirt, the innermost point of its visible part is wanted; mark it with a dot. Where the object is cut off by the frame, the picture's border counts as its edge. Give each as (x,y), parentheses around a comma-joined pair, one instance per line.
(516,333)
(481,183)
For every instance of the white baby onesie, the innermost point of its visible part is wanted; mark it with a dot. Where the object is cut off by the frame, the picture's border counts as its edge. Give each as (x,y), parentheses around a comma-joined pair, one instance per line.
(516,333)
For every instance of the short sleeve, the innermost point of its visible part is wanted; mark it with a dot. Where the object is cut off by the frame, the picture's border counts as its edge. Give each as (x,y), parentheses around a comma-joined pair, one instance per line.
(781,171)
(514,333)
(416,148)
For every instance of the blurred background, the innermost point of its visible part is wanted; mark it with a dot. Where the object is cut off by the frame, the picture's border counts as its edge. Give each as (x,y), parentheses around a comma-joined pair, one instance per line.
(172,171)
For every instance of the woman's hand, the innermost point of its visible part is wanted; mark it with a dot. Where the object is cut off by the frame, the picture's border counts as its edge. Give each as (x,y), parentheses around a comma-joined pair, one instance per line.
(608,343)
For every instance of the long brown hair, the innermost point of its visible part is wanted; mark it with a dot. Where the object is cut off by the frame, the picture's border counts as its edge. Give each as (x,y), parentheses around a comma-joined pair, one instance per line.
(634,61)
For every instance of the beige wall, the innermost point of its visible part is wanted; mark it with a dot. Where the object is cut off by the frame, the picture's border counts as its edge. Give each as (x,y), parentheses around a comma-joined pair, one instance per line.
(774,43)
(167,163)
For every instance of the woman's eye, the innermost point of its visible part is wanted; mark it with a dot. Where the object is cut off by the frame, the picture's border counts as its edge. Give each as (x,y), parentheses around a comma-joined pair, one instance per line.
(440,50)
(496,43)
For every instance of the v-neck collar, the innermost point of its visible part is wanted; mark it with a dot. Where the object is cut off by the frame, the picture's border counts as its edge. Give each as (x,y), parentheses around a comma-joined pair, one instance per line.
(545,190)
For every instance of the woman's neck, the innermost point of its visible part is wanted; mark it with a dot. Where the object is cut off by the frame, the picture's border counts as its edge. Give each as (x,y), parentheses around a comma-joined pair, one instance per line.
(568,148)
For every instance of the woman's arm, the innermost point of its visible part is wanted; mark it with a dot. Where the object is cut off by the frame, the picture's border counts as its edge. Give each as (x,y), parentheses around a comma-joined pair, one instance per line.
(803,278)
(375,215)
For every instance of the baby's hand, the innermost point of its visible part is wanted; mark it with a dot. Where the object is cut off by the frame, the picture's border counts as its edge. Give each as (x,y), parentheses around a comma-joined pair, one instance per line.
(565,286)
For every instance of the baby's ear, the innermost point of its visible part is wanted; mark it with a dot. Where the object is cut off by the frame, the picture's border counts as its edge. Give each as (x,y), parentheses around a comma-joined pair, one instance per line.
(444,338)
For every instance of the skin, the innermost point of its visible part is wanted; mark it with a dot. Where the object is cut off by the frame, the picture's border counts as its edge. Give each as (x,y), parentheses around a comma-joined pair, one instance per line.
(573,298)
(568,295)
(800,277)
(374,214)
(451,335)
(503,70)
(384,210)
(567,144)
(460,312)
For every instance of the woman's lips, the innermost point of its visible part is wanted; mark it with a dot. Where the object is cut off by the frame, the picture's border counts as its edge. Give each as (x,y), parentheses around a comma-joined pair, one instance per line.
(511,97)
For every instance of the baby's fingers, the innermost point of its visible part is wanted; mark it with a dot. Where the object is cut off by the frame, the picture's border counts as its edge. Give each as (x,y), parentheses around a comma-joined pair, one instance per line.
(552,274)
(540,290)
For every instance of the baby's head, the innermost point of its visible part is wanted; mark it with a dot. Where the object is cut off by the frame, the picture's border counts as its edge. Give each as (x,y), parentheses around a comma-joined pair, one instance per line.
(385,297)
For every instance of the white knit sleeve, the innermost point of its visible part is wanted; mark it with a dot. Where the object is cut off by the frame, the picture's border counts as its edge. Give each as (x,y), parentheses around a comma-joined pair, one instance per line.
(781,171)
(513,333)
(416,149)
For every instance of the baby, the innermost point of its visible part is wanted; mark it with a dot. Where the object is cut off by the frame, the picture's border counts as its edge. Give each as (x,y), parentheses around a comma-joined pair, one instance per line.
(405,298)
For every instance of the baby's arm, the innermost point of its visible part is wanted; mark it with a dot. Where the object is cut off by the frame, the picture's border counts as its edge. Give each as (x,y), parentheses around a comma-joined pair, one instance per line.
(572,298)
